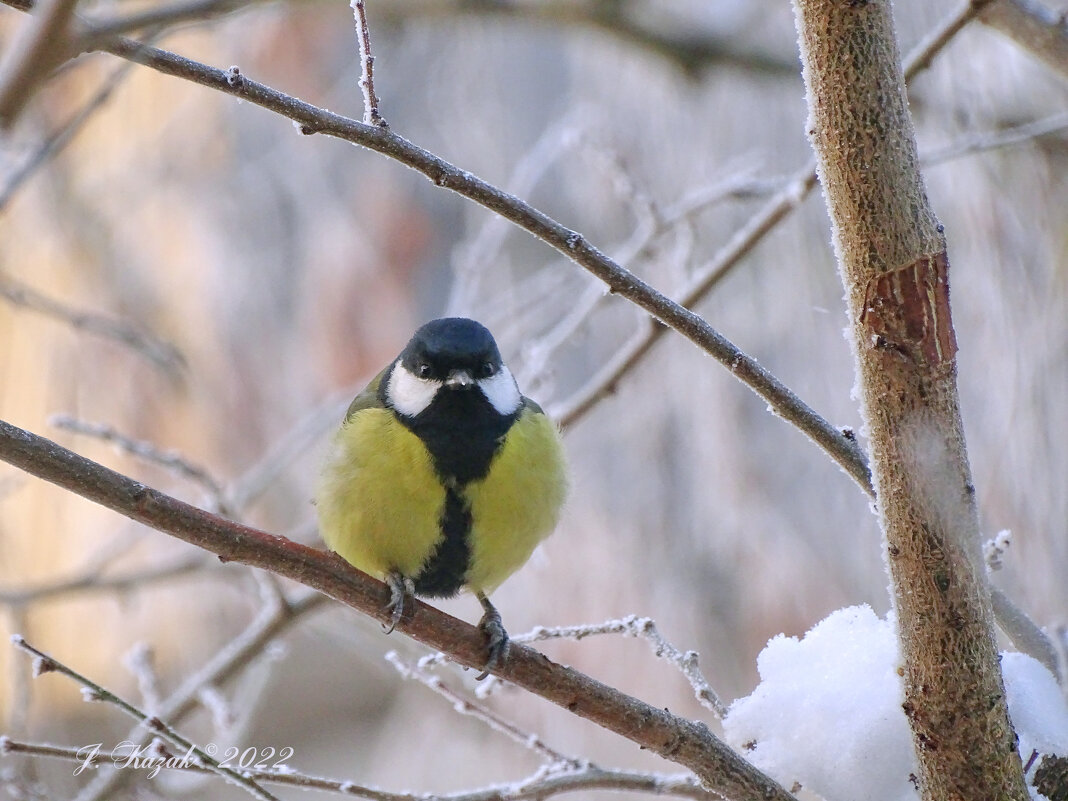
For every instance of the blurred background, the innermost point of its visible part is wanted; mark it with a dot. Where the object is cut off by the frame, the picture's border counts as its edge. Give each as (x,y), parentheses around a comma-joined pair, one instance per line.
(192,272)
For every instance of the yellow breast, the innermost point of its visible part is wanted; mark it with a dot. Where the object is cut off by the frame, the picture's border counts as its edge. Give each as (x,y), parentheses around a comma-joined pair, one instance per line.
(379,499)
(518,504)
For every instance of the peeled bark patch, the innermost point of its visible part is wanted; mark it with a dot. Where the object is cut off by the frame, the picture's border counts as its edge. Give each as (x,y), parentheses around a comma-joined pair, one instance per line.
(907,310)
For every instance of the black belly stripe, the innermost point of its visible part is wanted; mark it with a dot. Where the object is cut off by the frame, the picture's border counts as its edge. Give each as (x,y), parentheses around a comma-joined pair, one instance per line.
(463,433)
(444,573)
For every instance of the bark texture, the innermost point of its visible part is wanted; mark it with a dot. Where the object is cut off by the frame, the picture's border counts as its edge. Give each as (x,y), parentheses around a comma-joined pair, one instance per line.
(893,263)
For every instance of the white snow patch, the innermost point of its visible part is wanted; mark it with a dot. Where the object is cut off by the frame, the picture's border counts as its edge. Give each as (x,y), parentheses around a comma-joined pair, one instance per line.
(827,712)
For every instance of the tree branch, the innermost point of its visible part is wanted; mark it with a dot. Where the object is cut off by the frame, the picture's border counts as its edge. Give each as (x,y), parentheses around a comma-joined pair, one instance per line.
(676,739)
(1035,28)
(92,582)
(237,654)
(644,627)
(894,267)
(541,785)
(91,691)
(692,51)
(465,706)
(160,352)
(41,46)
(371,115)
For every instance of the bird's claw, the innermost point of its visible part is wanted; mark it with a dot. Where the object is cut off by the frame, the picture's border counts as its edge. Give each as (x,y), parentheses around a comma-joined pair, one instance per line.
(400,590)
(497,642)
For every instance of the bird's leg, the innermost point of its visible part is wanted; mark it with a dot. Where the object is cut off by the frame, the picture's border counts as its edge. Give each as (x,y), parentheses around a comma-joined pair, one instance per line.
(401,588)
(497,643)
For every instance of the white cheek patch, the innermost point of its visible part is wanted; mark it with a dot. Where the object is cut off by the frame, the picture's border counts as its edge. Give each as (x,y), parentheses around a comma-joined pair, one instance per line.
(501,391)
(408,393)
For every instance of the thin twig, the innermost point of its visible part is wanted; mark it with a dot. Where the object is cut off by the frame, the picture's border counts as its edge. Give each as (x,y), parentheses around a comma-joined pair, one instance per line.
(91,581)
(473,256)
(59,139)
(542,784)
(705,278)
(466,706)
(924,52)
(140,660)
(992,140)
(367,68)
(644,627)
(692,50)
(227,663)
(44,663)
(20,676)
(653,225)
(161,353)
(1038,29)
(41,46)
(171,460)
(157,18)
(1024,633)
(309,428)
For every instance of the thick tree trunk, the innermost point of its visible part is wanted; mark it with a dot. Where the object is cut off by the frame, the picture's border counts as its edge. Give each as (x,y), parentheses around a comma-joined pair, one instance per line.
(893,263)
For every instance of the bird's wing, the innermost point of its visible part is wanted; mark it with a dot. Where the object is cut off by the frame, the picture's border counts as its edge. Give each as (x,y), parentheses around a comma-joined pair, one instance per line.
(368,398)
(529,405)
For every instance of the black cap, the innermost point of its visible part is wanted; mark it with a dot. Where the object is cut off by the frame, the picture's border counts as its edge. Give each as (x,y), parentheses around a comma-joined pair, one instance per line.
(450,343)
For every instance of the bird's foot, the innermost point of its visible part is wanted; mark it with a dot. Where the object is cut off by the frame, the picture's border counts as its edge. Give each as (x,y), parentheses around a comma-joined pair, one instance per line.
(401,589)
(497,642)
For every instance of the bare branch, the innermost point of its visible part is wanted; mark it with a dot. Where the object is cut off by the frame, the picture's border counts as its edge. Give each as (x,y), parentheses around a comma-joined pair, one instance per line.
(170,459)
(543,784)
(279,458)
(692,51)
(95,692)
(465,706)
(644,627)
(60,138)
(483,248)
(679,740)
(160,353)
(1037,29)
(20,676)
(227,663)
(140,660)
(707,277)
(91,581)
(42,45)
(367,68)
(604,381)
(1024,633)
(991,140)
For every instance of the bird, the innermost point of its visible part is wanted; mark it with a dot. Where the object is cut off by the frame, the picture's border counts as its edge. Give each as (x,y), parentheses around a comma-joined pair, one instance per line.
(443,476)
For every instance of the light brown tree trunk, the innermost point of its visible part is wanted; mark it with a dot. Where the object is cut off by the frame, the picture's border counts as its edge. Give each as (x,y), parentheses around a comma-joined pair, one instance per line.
(892,259)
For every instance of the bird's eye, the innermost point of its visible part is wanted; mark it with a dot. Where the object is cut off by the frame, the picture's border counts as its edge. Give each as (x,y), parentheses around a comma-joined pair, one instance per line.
(486,370)
(423,370)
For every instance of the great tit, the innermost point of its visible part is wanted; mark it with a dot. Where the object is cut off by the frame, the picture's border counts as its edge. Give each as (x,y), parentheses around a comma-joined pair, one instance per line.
(443,475)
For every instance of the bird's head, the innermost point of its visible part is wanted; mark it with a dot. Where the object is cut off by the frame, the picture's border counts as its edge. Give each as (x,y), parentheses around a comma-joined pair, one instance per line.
(452,354)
